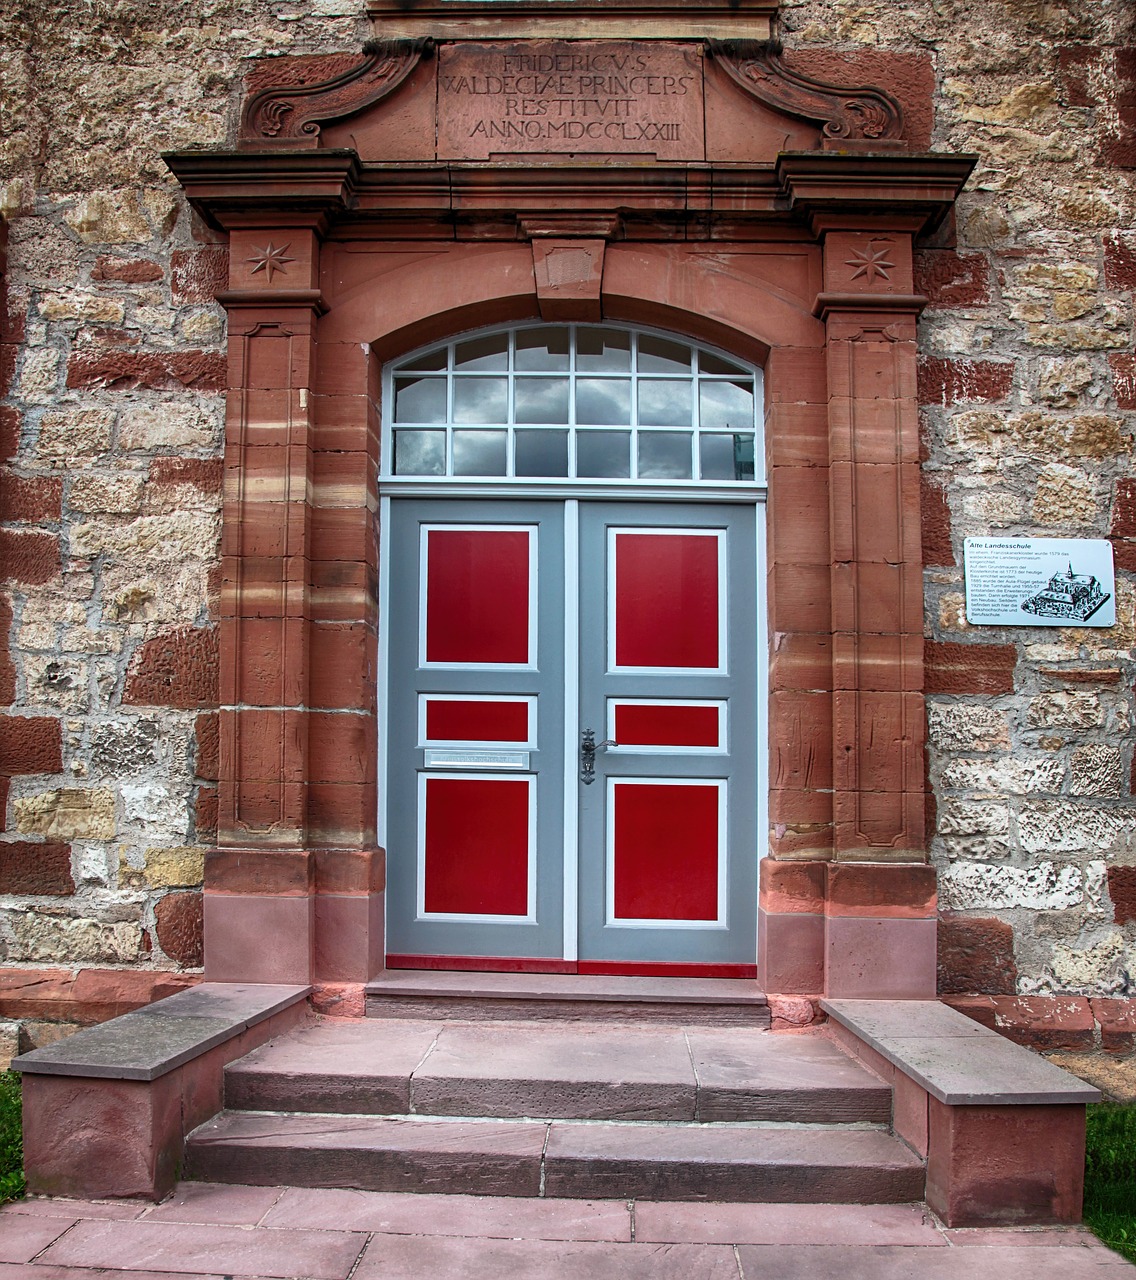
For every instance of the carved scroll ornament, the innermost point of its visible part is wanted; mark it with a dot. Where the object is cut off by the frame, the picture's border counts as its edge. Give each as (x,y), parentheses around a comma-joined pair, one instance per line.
(845,113)
(295,113)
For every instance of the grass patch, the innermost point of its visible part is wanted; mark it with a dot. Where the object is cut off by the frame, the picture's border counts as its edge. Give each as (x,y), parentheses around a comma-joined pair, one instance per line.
(11,1139)
(1110,1176)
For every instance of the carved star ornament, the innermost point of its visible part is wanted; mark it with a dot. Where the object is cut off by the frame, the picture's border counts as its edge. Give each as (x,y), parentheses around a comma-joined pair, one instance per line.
(870,263)
(270,259)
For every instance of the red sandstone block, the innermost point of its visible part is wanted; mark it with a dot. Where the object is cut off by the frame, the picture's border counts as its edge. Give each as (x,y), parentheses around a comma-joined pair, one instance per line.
(7,667)
(1124,554)
(876,889)
(177,669)
(794,808)
(344,591)
(800,662)
(798,375)
(798,515)
(260,813)
(878,598)
(976,956)
(264,746)
(179,927)
(289,872)
(1124,510)
(29,557)
(875,512)
(263,586)
(950,279)
(9,352)
(345,533)
(264,662)
(30,744)
(4,785)
(201,371)
(36,499)
(792,887)
(339,999)
(1120,260)
(126,270)
(1075,64)
(9,433)
(1122,889)
(969,668)
(90,996)
(30,868)
(1123,366)
(936,524)
(343,666)
(796,434)
(1045,1022)
(800,736)
(890,663)
(350,871)
(198,275)
(202,473)
(800,597)
(1117,1020)
(947,382)
(342,813)
(205,813)
(205,734)
(811,842)
(342,747)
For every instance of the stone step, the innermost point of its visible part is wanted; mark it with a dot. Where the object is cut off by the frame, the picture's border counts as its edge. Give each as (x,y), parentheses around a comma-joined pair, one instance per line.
(492,997)
(557,1159)
(585,1071)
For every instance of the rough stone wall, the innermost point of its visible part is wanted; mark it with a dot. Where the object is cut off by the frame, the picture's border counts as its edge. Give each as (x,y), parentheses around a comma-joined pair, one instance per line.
(111,367)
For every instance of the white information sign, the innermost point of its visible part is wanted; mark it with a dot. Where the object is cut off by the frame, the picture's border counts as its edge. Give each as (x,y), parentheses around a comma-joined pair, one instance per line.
(1039,582)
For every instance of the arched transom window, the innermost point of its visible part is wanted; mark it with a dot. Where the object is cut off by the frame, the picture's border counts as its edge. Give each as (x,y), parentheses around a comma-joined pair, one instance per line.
(573,402)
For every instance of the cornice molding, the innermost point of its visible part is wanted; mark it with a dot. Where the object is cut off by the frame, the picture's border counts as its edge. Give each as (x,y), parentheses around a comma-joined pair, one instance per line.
(294,114)
(847,114)
(823,190)
(828,303)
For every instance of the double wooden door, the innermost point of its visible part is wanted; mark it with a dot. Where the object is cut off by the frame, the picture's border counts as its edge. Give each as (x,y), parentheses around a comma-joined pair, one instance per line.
(572,734)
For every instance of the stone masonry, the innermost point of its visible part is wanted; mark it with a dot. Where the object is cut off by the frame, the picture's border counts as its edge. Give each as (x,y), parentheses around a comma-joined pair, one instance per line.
(111,417)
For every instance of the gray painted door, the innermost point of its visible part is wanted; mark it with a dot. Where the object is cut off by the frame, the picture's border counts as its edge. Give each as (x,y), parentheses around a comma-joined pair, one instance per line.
(514,627)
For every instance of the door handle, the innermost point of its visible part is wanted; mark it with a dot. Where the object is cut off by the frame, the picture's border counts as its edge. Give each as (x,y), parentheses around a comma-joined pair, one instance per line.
(588,748)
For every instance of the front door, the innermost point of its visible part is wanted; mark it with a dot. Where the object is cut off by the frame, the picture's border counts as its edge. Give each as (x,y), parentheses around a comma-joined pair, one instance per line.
(522,632)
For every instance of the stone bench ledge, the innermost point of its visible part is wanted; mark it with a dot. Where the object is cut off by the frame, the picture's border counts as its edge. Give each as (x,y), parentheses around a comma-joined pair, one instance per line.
(956,1060)
(153,1041)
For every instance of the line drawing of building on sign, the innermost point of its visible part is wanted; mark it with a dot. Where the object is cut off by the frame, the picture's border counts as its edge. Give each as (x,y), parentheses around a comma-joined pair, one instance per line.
(1076,596)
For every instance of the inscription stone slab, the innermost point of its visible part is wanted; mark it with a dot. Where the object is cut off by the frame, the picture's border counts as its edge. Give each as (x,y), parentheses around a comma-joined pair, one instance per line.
(561,97)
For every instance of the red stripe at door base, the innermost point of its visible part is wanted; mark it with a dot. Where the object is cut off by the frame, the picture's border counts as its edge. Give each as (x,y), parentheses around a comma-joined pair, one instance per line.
(599,968)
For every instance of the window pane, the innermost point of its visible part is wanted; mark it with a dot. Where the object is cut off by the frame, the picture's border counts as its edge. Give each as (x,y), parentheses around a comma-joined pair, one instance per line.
(657,355)
(419,399)
(542,350)
(664,455)
(726,457)
(664,404)
(479,453)
(541,453)
(432,360)
(603,453)
(603,351)
(710,363)
(601,402)
(541,399)
(481,399)
(420,453)
(725,404)
(483,353)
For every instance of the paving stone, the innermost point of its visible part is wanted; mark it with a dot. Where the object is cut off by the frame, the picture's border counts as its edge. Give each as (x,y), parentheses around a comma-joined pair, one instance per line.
(216,1203)
(868,1224)
(479,1216)
(45,1271)
(188,1249)
(22,1236)
(334,1065)
(744,1075)
(1024,1238)
(585,1071)
(730,1163)
(41,1207)
(890,1262)
(415,1257)
(372,1154)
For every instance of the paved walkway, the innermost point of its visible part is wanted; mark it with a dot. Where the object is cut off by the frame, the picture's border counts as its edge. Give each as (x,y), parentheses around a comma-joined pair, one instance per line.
(241,1233)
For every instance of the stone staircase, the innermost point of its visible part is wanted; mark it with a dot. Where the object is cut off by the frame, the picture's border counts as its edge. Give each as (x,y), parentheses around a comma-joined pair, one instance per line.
(577,1088)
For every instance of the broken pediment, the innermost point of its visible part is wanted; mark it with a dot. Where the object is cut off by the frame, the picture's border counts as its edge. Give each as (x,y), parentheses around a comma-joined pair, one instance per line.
(669,101)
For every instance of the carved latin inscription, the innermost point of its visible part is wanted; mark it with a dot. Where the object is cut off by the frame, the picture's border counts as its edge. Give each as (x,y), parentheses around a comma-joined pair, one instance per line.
(583,96)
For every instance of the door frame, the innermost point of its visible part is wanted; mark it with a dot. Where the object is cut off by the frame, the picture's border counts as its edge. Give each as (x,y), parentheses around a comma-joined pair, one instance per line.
(755,496)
